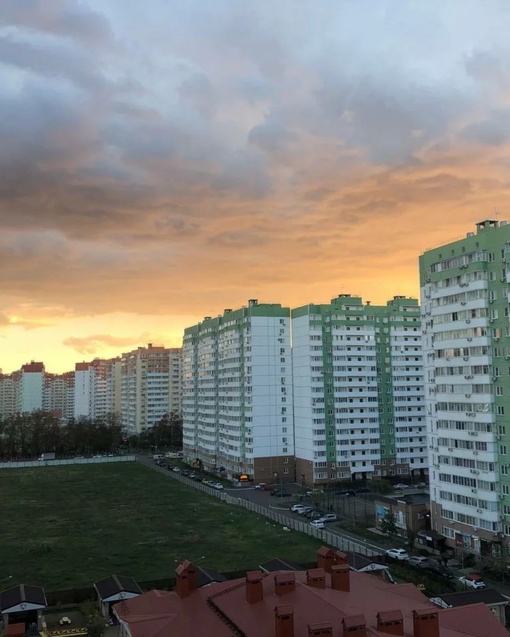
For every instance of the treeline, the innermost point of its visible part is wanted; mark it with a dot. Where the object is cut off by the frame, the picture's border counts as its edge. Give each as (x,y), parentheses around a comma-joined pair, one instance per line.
(28,435)
(166,434)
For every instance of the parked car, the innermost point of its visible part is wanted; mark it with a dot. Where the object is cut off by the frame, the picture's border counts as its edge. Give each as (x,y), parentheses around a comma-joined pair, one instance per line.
(329,517)
(264,487)
(400,485)
(318,524)
(315,514)
(282,494)
(472,581)
(305,510)
(297,507)
(185,473)
(176,470)
(397,554)
(346,492)
(439,570)
(417,560)
(422,485)
(216,485)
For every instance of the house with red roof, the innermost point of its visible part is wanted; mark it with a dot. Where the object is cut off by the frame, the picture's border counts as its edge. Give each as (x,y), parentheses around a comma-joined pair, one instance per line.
(331,600)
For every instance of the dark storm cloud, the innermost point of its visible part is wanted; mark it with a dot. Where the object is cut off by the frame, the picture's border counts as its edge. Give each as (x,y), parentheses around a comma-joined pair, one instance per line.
(148,140)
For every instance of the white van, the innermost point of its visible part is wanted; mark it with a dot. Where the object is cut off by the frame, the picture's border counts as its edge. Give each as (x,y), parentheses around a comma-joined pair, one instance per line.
(158,456)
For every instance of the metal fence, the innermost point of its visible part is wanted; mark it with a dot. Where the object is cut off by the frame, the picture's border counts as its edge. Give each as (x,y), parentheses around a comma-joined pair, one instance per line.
(332,539)
(23,464)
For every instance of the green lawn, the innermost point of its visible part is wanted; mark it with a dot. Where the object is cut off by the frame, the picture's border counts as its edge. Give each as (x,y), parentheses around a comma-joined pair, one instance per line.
(65,527)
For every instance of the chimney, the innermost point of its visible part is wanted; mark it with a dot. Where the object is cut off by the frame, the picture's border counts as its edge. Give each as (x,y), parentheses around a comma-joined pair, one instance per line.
(320,630)
(390,622)
(186,575)
(316,577)
(254,587)
(425,623)
(340,558)
(325,558)
(284,583)
(284,621)
(341,577)
(355,626)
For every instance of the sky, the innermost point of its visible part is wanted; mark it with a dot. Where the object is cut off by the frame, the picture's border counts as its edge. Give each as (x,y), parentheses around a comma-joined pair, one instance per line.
(164,160)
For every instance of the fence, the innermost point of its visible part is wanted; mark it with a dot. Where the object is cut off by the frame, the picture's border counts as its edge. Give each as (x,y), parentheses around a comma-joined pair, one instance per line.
(332,539)
(65,461)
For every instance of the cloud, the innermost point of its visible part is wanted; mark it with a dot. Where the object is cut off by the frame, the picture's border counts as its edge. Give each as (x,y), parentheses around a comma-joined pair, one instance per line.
(94,343)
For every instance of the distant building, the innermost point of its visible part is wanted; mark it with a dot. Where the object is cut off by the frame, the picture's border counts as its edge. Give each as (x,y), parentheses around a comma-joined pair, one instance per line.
(97,389)
(327,601)
(359,404)
(150,386)
(494,600)
(58,395)
(237,393)
(30,397)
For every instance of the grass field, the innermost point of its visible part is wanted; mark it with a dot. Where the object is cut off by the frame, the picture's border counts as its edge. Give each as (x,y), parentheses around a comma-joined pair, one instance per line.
(65,527)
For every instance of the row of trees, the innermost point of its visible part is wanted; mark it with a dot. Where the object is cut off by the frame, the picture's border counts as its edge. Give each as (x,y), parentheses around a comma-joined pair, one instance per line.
(166,434)
(29,435)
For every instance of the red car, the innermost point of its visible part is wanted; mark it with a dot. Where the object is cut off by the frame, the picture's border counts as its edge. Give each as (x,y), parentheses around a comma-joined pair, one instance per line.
(264,487)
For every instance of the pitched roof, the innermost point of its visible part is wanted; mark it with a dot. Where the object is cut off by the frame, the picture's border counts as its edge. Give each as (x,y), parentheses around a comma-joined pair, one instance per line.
(276,564)
(482,595)
(206,576)
(221,610)
(116,584)
(22,594)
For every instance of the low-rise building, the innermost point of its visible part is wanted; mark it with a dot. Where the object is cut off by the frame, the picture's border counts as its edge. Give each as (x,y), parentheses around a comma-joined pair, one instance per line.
(494,600)
(330,600)
(410,512)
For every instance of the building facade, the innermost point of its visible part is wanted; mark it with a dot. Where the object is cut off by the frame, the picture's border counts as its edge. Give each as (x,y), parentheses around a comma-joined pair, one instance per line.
(237,393)
(58,396)
(465,310)
(150,386)
(97,389)
(359,409)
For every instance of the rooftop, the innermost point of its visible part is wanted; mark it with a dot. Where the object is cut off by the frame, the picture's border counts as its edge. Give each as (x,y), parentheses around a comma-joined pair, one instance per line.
(303,601)
(465,598)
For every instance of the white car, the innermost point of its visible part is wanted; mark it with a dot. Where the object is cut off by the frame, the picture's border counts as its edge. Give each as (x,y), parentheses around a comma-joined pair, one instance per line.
(472,581)
(397,554)
(176,470)
(417,560)
(216,485)
(318,524)
(400,485)
(297,507)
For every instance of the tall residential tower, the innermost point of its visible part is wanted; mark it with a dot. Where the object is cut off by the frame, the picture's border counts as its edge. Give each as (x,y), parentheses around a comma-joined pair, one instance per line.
(237,393)
(358,390)
(465,310)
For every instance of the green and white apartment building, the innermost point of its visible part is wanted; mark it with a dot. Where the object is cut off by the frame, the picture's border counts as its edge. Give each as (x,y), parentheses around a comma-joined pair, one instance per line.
(347,401)
(237,393)
(466,342)
(358,390)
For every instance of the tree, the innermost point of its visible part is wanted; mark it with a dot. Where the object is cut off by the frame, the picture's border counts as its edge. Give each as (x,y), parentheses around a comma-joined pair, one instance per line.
(411,537)
(387,524)
(95,626)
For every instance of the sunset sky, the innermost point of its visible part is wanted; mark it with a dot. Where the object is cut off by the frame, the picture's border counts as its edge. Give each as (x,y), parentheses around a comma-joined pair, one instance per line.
(163,160)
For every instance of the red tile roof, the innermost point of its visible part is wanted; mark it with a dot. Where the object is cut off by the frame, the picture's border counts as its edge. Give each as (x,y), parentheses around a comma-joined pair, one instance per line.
(220,609)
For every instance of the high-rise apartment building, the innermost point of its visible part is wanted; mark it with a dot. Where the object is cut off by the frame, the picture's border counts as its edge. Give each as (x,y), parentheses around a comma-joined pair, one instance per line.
(150,386)
(237,393)
(465,310)
(97,389)
(358,390)
(58,395)
(31,386)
